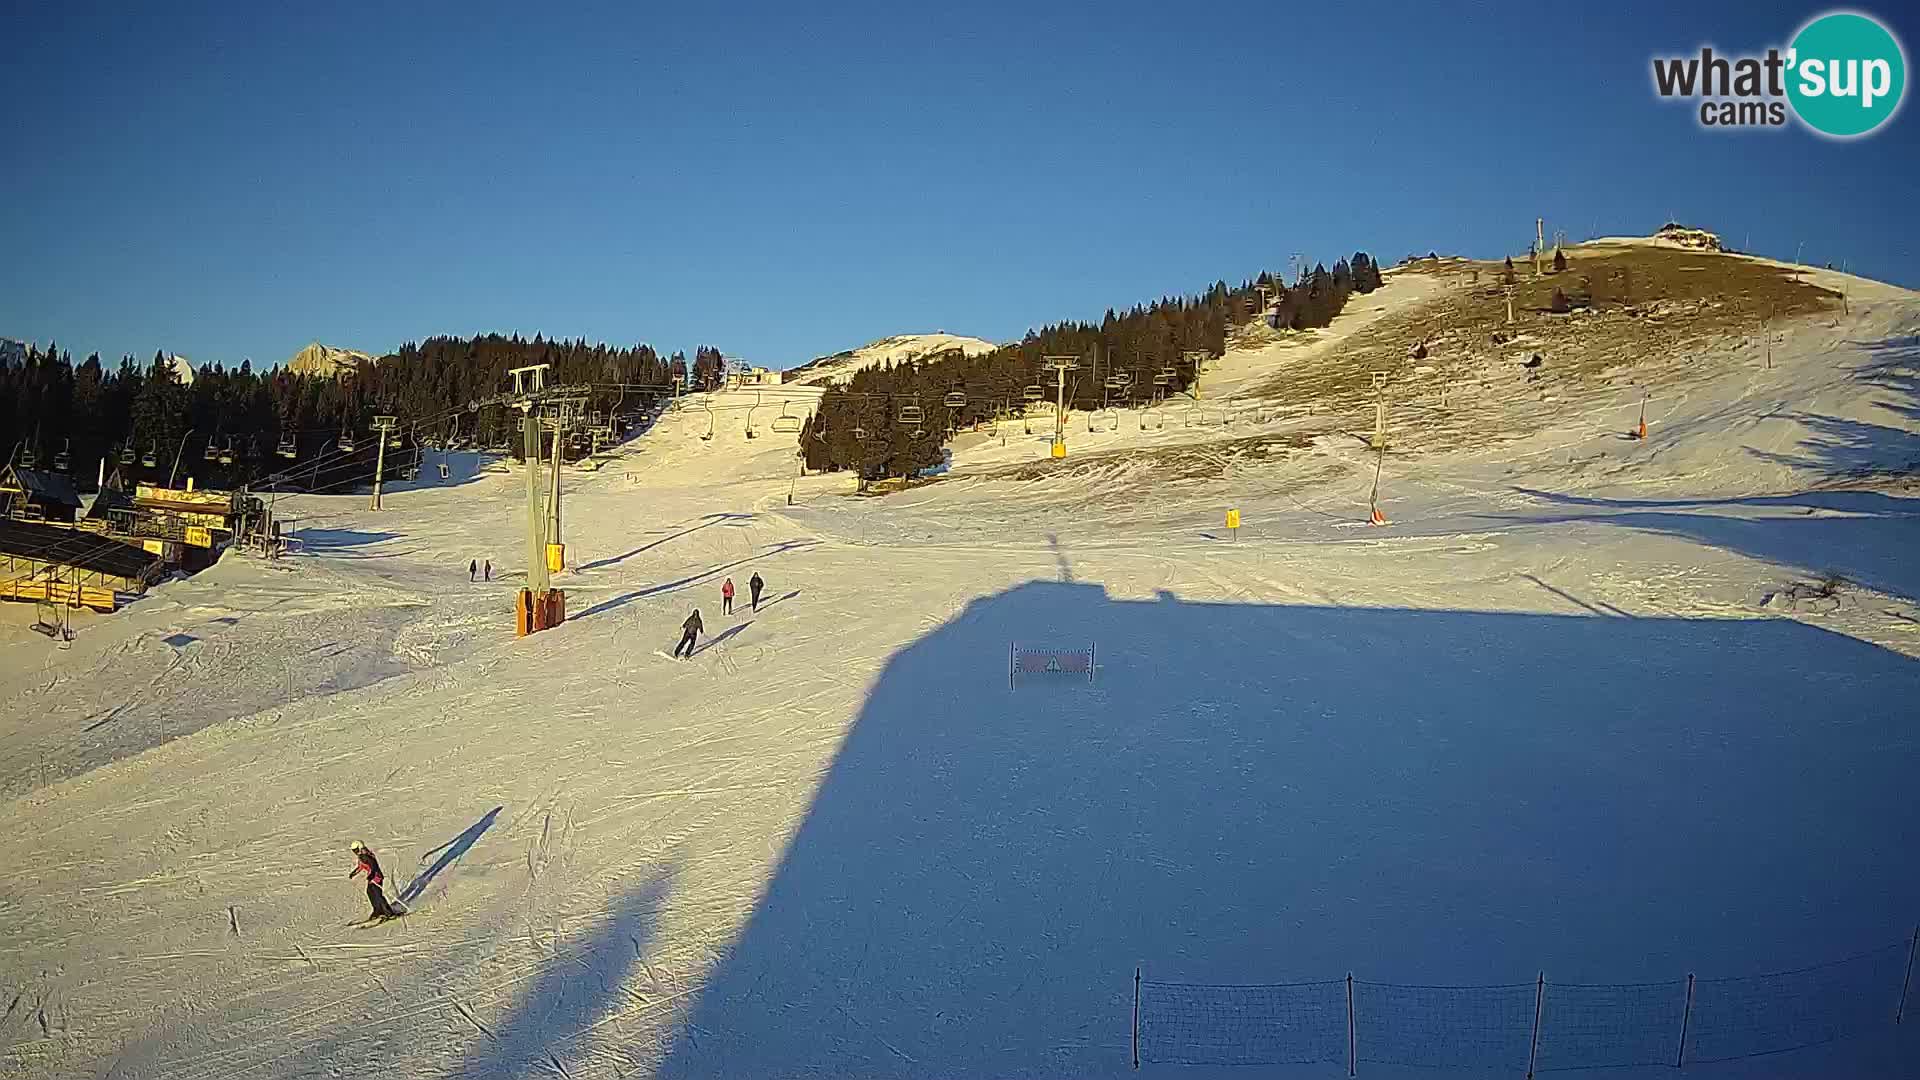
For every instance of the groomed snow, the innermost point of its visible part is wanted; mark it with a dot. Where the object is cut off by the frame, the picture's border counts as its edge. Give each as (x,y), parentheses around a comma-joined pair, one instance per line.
(1561,715)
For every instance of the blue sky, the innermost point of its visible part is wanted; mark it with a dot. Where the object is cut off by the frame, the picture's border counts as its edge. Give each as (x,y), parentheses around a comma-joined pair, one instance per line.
(781,182)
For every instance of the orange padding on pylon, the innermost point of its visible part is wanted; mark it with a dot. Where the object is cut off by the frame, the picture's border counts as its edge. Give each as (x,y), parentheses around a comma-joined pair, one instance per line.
(1376,517)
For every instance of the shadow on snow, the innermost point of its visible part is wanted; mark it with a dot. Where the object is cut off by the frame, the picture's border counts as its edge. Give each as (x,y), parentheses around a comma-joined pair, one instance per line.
(449,853)
(1255,793)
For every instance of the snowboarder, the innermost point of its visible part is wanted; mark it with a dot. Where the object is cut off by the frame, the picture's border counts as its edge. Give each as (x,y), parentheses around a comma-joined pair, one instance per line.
(691,628)
(487,571)
(754,585)
(726,597)
(473,569)
(375,894)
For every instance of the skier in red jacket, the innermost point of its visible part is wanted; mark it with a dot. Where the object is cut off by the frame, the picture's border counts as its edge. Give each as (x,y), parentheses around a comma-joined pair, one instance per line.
(375,894)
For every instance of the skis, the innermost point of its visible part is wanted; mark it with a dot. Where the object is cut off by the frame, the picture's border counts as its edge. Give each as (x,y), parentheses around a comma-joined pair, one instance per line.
(378,920)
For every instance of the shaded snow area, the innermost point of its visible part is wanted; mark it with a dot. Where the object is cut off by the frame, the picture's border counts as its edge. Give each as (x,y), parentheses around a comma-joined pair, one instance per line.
(1609,710)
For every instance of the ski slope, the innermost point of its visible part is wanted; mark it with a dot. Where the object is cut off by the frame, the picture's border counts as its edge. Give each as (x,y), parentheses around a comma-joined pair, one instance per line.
(1564,714)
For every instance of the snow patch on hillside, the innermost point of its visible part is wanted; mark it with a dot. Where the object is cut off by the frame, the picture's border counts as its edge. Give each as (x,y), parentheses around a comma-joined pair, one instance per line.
(841,367)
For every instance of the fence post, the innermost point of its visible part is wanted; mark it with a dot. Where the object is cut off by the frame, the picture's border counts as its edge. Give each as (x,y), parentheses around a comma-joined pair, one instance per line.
(1539,999)
(1136,1018)
(1352,1043)
(1686,1020)
(1907,981)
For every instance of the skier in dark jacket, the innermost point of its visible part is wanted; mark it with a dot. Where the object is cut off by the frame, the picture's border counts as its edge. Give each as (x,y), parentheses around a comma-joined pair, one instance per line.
(473,569)
(487,571)
(691,628)
(375,894)
(754,585)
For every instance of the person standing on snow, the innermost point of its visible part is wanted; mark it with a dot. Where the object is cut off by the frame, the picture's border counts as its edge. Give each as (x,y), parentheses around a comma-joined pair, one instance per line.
(754,585)
(487,571)
(691,634)
(726,597)
(375,894)
(473,569)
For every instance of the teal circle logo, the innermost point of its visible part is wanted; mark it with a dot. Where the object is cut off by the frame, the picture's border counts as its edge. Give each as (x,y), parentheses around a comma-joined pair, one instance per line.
(1846,74)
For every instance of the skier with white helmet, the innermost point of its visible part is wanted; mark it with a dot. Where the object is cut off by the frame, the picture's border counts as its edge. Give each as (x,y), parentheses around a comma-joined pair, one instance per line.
(375,894)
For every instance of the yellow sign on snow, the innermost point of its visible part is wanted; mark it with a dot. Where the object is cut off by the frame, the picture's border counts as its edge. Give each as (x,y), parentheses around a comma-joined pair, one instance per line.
(1233,519)
(556,558)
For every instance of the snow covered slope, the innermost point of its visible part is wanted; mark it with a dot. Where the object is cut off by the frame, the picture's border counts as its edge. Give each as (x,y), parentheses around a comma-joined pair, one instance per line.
(1585,706)
(842,366)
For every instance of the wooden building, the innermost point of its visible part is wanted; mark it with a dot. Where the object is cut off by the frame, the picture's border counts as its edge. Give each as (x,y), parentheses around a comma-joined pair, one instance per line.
(38,495)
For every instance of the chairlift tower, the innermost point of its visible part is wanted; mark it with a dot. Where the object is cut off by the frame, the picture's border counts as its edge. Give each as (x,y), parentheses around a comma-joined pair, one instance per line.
(529,383)
(382,425)
(1060,364)
(1196,357)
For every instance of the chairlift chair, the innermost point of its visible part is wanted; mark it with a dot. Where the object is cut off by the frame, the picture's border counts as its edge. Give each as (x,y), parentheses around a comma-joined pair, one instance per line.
(786,421)
(126,455)
(287,449)
(63,459)
(28,458)
(212,452)
(1036,392)
(151,459)
(345,444)
(956,400)
(226,453)
(912,415)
